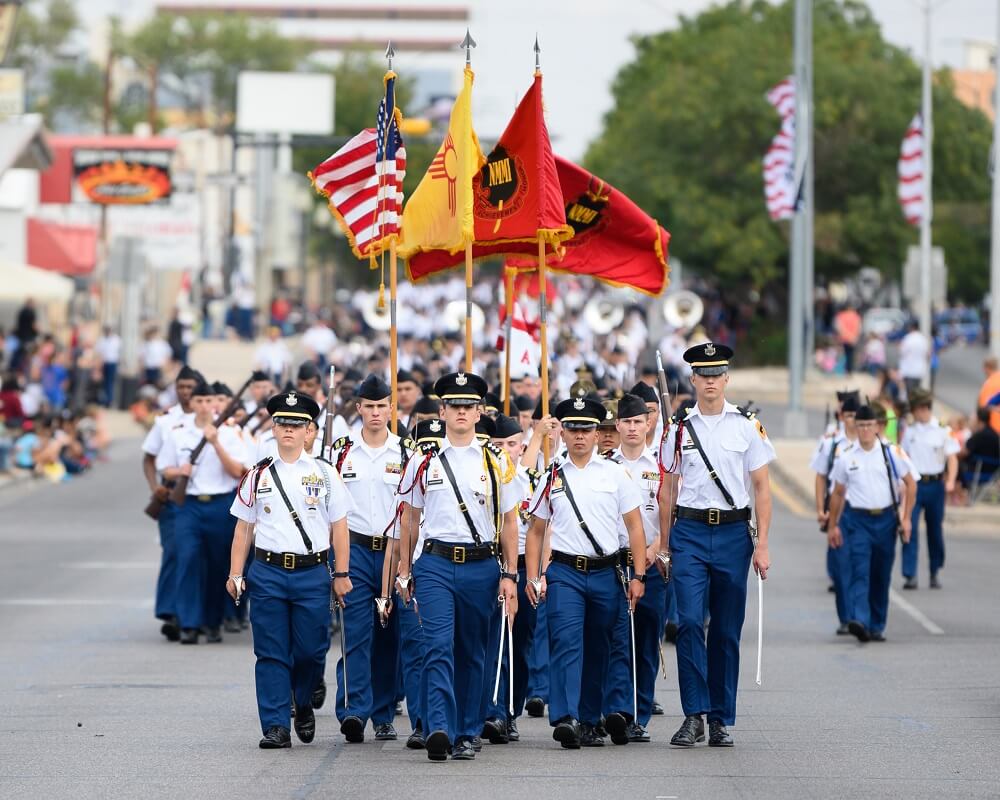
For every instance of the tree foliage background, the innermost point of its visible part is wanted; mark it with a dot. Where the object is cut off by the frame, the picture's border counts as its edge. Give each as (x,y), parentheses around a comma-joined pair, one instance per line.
(690,126)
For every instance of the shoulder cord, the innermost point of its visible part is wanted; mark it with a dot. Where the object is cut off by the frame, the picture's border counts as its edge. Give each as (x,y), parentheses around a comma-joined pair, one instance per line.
(343,455)
(495,487)
(252,477)
(551,476)
(419,477)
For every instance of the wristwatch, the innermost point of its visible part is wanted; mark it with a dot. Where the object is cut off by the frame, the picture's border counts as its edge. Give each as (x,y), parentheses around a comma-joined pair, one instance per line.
(641,577)
(340,574)
(511,576)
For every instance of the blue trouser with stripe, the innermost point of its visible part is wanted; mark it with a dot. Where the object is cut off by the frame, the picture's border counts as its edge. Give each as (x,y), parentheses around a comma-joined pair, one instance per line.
(411,659)
(372,651)
(930,500)
(456,602)
(538,655)
(204,536)
(582,612)
(166,582)
(290,619)
(712,561)
(871,540)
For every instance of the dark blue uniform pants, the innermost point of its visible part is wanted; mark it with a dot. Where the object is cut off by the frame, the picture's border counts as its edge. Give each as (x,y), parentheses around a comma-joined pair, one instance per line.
(204,537)
(649,621)
(538,656)
(930,500)
(871,541)
(710,560)
(290,619)
(582,612)
(411,658)
(523,634)
(166,582)
(372,651)
(456,602)
(838,565)
(616,672)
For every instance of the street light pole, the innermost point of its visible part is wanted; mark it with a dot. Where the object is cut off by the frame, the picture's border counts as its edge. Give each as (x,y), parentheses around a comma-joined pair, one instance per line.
(927,116)
(995,233)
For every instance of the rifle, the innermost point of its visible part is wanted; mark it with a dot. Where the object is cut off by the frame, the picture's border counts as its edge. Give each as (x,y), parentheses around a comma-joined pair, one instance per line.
(179,493)
(661,379)
(328,422)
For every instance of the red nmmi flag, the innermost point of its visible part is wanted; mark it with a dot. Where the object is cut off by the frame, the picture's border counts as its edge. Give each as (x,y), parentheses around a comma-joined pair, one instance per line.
(614,240)
(911,172)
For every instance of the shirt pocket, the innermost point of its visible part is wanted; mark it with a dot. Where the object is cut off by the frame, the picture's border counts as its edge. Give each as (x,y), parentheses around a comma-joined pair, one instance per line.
(740,446)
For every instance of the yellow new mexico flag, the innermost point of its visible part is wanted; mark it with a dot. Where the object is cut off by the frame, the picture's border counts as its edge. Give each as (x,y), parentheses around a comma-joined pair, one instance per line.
(439,215)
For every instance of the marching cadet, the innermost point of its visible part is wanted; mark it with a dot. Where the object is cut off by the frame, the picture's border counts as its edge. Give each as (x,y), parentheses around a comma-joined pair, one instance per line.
(608,437)
(648,395)
(650,614)
(721,454)
(203,528)
(468,498)
(291,509)
(838,560)
(177,416)
(370,469)
(935,456)
(866,513)
(583,498)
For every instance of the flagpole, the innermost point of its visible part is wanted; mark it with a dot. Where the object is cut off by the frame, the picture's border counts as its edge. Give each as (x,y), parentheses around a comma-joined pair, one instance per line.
(468,43)
(508,279)
(393,337)
(995,234)
(925,308)
(542,303)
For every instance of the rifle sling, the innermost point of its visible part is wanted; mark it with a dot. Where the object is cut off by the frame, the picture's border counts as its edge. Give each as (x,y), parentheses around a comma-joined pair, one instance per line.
(288,504)
(708,465)
(461,502)
(576,510)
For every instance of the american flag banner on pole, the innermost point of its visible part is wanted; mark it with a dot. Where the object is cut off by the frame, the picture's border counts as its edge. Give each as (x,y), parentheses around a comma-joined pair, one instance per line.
(363,180)
(780,189)
(526,348)
(911,172)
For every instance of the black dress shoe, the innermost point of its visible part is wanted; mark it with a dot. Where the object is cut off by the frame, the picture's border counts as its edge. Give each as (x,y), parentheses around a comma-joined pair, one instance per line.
(384,732)
(935,583)
(617,727)
(189,636)
(589,737)
(213,635)
(319,694)
(692,730)
(438,746)
(567,733)
(416,741)
(353,729)
(638,733)
(477,743)
(305,724)
(535,706)
(657,709)
(399,709)
(877,637)
(171,629)
(910,583)
(600,730)
(843,630)
(670,632)
(718,736)
(831,588)
(244,624)
(513,734)
(858,630)
(463,750)
(276,738)
(231,625)
(495,729)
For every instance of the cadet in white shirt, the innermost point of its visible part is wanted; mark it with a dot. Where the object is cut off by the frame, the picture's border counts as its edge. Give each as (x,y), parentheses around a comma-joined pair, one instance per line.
(583,498)
(935,456)
(711,543)
(865,514)
(370,467)
(469,502)
(175,417)
(292,508)
(203,528)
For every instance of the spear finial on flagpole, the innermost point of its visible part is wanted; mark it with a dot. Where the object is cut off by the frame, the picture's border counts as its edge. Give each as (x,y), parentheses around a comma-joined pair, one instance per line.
(390,53)
(538,53)
(468,43)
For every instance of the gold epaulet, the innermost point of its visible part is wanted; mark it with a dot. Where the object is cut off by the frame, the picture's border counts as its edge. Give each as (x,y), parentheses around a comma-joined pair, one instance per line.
(408,444)
(502,461)
(343,441)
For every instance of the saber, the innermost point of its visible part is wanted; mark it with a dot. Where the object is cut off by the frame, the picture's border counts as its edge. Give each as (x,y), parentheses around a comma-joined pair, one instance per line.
(635,694)
(663,663)
(760,623)
(503,630)
(343,652)
(510,667)
(238,584)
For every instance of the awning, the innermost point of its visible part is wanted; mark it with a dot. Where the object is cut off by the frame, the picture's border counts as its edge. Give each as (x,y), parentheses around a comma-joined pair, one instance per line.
(23,144)
(19,282)
(69,249)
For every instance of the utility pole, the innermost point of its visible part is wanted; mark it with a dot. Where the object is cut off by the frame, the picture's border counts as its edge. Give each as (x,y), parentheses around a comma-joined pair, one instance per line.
(807,199)
(795,420)
(995,233)
(925,308)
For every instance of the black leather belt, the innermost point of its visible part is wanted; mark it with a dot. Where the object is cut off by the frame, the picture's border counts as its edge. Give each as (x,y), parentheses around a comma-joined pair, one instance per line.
(585,563)
(932,478)
(376,544)
(459,554)
(871,512)
(291,561)
(713,516)
(208,498)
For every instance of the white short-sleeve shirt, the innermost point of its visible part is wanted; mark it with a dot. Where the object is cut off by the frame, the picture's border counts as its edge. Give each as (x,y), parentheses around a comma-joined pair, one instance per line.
(208,475)
(603,492)
(371,476)
(173,418)
(315,492)
(735,445)
(644,472)
(929,445)
(864,474)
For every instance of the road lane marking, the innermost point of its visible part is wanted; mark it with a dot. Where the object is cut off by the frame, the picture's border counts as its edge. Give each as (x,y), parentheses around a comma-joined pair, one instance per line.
(110,564)
(788,500)
(916,614)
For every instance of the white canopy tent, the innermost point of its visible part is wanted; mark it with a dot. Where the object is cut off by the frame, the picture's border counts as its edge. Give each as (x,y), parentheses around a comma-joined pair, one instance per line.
(20,281)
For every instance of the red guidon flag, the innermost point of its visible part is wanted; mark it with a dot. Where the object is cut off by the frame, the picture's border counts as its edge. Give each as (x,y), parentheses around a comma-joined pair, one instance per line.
(614,240)
(516,195)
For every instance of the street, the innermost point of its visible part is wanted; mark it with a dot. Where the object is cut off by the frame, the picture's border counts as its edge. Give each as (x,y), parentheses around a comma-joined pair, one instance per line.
(94,703)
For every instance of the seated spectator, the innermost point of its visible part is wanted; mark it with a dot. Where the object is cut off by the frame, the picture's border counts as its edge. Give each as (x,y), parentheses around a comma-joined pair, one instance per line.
(24,447)
(93,431)
(10,398)
(72,453)
(960,431)
(982,450)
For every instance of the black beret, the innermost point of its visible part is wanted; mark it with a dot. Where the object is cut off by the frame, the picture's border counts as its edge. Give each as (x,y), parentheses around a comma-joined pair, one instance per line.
(852,394)
(460,389)
(631,406)
(203,389)
(220,388)
(851,403)
(404,376)
(486,428)
(353,375)
(506,427)
(523,403)
(308,371)
(644,392)
(865,414)
(293,408)
(373,388)
(259,375)
(580,413)
(188,374)
(709,358)
(426,405)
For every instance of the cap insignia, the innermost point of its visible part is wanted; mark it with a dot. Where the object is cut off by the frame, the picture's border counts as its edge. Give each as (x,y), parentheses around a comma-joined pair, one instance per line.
(461,380)
(709,349)
(578,404)
(435,426)
(291,400)
(608,415)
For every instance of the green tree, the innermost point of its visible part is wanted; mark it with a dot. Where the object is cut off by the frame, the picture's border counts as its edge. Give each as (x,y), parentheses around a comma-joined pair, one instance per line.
(690,126)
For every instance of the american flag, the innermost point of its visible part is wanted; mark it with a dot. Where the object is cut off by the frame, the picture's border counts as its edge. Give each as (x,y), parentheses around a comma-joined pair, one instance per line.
(780,191)
(911,172)
(363,180)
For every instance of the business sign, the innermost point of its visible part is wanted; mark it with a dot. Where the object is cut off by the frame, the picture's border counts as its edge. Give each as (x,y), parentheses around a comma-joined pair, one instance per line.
(122,176)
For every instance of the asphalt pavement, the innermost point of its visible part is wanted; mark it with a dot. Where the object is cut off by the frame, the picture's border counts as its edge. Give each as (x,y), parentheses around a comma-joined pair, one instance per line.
(94,703)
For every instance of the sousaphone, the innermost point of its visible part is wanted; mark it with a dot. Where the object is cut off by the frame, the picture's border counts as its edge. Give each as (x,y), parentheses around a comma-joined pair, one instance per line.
(683,309)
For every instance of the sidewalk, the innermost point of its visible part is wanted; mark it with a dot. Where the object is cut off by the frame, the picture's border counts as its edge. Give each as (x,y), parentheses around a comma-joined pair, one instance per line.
(793,484)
